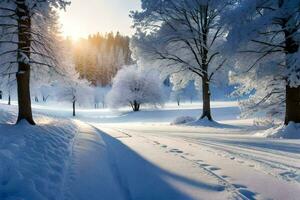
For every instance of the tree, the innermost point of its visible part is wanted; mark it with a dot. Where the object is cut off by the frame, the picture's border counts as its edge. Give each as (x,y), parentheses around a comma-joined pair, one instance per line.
(99,57)
(74,90)
(25,26)
(266,36)
(46,92)
(183,38)
(99,96)
(135,87)
(7,84)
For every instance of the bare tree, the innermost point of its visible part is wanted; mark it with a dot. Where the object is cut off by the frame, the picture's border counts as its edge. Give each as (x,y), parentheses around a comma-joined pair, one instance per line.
(26,42)
(269,39)
(184,36)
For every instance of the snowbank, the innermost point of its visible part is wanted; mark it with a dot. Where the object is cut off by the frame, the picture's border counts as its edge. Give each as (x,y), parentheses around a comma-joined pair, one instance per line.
(57,159)
(191,121)
(291,131)
(33,159)
(204,122)
(7,114)
(183,120)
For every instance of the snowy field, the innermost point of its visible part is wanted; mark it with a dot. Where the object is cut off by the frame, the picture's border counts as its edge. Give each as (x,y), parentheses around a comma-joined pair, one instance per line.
(103,154)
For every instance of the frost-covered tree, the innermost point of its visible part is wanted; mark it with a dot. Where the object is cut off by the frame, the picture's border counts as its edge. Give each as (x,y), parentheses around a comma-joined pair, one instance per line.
(7,86)
(99,96)
(133,87)
(46,91)
(74,90)
(189,93)
(183,38)
(265,34)
(26,41)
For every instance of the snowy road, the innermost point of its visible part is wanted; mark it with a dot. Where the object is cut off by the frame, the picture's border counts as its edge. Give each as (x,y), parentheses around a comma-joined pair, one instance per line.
(202,163)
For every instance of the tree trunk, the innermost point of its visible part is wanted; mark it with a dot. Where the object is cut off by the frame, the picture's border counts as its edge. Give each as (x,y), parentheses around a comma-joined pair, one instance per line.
(178,102)
(23,74)
(292,105)
(74,107)
(135,106)
(206,112)
(292,113)
(9,101)
(45,98)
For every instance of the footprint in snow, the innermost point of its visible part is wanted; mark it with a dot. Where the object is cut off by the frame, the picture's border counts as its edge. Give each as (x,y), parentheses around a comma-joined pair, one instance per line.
(290,175)
(204,165)
(239,186)
(244,191)
(176,151)
(214,168)
(249,194)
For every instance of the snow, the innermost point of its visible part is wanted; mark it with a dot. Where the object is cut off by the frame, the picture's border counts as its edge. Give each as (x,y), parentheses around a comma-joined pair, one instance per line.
(183,120)
(125,155)
(192,121)
(222,111)
(58,159)
(33,159)
(205,162)
(90,175)
(291,131)
(209,123)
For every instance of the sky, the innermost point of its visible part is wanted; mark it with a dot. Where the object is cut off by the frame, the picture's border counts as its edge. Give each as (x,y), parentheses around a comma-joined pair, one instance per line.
(85,17)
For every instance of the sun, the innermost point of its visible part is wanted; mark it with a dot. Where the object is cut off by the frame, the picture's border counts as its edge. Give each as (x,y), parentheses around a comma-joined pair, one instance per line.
(70,29)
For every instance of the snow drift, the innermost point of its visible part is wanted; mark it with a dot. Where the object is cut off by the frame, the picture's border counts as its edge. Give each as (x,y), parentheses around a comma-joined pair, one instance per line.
(291,131)
(33,159)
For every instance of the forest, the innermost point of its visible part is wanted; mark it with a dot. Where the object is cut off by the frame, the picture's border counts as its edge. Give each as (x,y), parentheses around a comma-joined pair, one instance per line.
(99,57)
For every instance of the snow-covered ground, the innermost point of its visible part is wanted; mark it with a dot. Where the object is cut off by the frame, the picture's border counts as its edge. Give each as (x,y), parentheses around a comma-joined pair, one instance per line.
(106,154)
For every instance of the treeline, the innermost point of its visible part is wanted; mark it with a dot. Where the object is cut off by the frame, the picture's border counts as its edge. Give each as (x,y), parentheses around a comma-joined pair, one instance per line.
(99,57)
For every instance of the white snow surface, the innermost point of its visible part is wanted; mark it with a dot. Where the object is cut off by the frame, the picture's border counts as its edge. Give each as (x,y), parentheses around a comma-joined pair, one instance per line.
(119,154)
(291,131)
(183,120)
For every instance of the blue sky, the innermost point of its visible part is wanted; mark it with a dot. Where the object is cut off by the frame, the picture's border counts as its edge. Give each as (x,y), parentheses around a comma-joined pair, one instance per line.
(85,17)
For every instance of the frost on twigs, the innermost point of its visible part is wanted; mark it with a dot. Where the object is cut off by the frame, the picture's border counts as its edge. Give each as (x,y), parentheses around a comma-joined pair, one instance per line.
(264,38)
(134,87)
